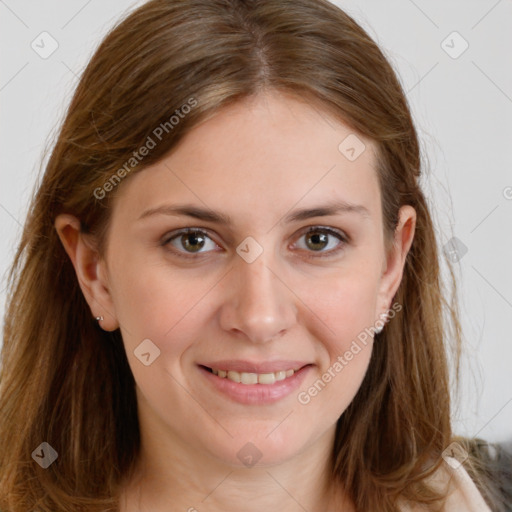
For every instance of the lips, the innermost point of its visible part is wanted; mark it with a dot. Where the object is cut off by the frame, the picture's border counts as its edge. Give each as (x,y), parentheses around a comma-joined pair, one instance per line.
(240,366)
(263,383)
(244,372)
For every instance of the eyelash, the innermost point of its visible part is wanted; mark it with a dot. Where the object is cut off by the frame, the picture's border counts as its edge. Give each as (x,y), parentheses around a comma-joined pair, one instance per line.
(344,239)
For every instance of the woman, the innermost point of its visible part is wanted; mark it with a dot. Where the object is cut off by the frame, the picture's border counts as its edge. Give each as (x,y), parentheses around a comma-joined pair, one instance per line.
(227,294)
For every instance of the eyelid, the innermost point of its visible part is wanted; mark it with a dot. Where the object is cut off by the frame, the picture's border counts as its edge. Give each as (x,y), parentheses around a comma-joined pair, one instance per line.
(341,235)
(343,238)
(333,231)
(168,237)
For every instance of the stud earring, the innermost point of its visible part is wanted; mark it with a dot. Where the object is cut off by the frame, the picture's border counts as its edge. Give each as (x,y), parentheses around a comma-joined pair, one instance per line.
(99,318)
(380,328)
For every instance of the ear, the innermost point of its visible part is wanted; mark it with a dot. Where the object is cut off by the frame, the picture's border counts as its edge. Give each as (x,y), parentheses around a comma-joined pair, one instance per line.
(90,270)
(394,263)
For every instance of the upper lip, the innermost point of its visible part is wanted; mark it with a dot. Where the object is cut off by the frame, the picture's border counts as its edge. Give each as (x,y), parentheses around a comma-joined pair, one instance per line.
(238,365)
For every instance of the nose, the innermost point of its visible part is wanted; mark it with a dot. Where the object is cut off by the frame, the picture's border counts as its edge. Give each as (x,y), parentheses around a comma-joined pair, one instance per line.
(258,304)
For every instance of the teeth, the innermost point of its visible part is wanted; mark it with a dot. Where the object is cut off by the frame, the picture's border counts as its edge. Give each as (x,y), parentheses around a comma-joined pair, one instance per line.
(254,378)
(234,376)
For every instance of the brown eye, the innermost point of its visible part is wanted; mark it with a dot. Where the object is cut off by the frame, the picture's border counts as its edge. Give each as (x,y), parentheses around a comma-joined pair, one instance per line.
(317,241)
(190,241)
(323,240)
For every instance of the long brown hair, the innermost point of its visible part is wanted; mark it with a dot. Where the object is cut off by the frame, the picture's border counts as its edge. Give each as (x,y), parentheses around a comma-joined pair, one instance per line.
(66,382)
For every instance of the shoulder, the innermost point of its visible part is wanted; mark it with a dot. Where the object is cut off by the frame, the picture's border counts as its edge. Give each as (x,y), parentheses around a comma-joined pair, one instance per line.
(492,463)
(463,494)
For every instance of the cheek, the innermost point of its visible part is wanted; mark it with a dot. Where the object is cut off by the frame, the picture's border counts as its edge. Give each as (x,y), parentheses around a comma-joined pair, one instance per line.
(333,386)
(343,306)
(344,310)
(153,303)
(164,309)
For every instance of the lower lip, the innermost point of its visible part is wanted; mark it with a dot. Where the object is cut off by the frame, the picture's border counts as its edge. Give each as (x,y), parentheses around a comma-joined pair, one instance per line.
(256,394)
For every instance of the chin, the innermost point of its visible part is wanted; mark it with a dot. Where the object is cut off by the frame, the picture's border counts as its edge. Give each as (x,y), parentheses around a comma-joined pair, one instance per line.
(258,451)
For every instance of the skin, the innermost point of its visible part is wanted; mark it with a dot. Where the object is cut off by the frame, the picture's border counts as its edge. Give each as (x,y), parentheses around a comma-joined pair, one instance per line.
(255,161)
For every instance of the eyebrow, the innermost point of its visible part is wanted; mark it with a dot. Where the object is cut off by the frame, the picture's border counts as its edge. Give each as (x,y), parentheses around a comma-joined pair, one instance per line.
(208,215)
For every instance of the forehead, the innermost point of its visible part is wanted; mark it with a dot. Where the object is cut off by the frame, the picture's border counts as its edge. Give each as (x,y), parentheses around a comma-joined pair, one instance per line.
(264,154)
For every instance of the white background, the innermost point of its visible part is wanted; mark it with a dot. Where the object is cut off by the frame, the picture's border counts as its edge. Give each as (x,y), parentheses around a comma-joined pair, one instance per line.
(462,107)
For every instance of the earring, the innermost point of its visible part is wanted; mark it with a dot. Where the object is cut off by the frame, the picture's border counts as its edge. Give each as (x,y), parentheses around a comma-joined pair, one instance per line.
(99,319)
(379,329)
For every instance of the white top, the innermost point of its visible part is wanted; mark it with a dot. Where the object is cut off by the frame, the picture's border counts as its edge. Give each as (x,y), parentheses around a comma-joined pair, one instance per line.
(463,495)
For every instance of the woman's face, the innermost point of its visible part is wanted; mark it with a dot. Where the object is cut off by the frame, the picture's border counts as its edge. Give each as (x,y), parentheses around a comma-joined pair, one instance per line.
(254,293)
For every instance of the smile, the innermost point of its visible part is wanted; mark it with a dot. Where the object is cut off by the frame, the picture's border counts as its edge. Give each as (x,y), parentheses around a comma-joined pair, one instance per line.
(253,384)
(254,378)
